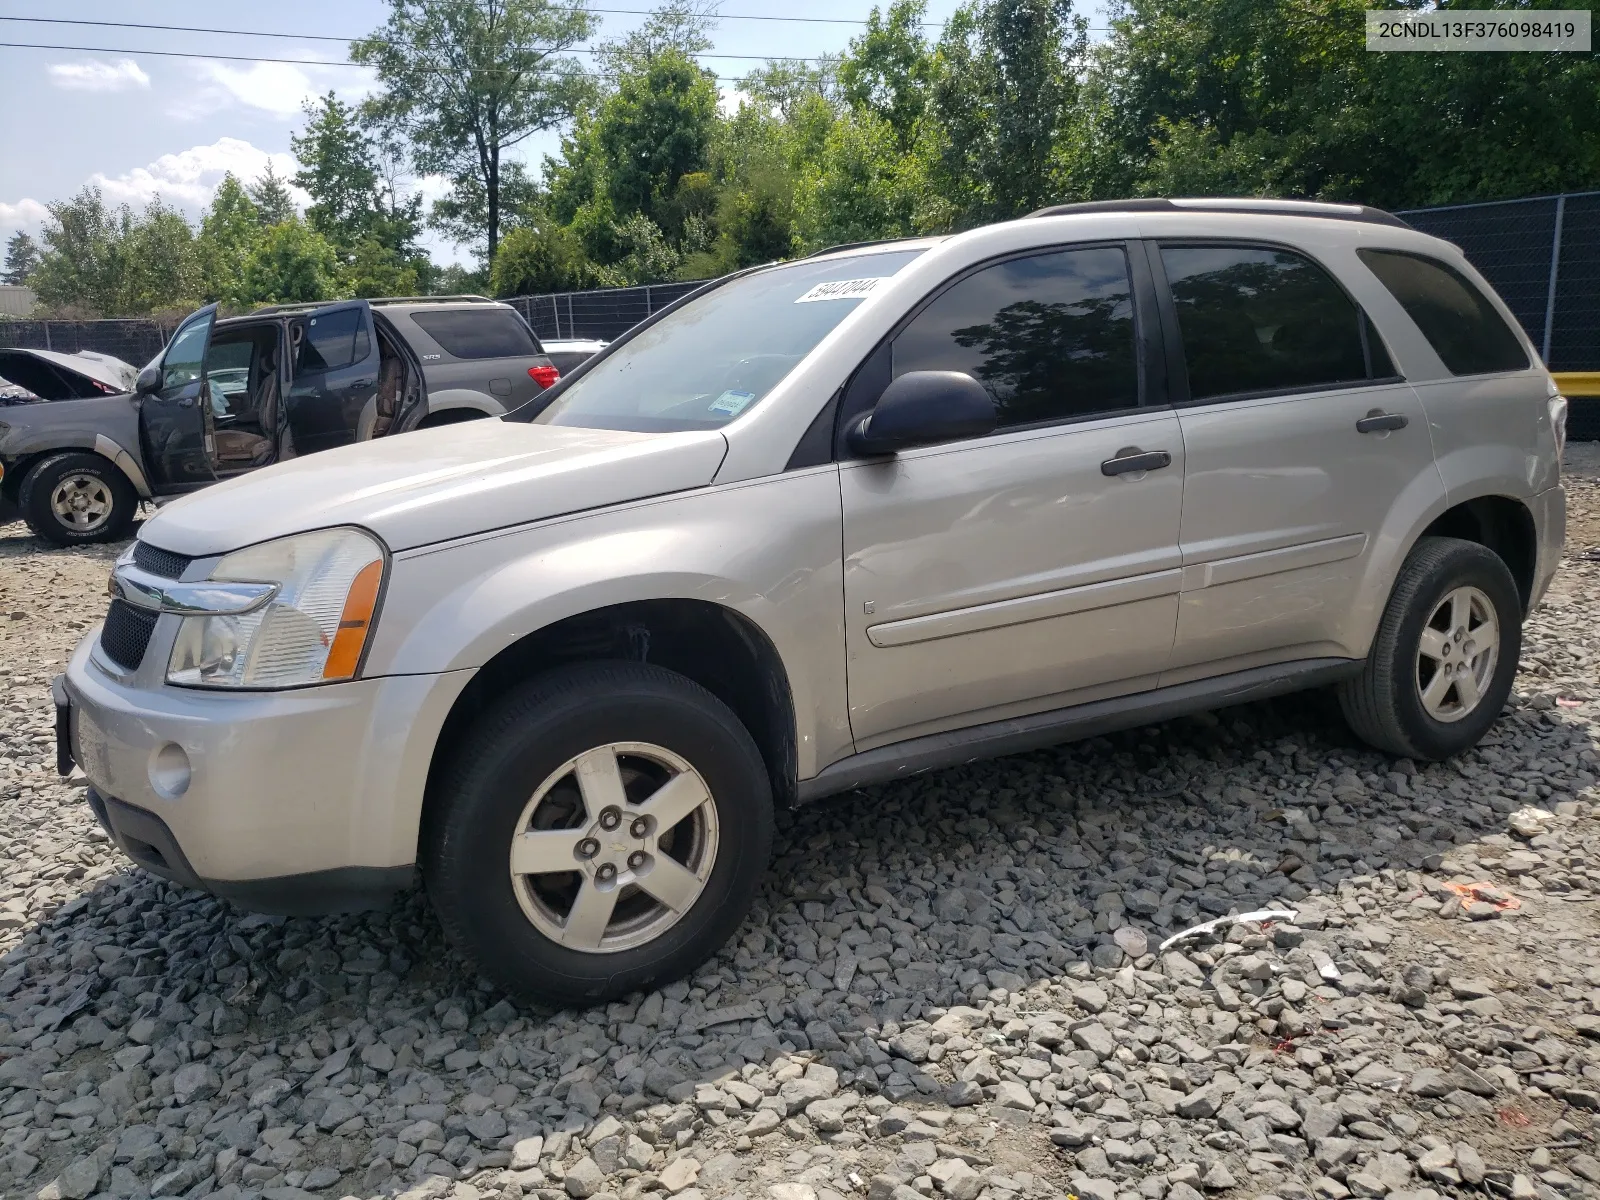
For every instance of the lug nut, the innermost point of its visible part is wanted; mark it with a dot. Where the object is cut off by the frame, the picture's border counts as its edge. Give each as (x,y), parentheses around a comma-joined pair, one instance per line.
(588,848)
(636,860)
(610,819)
(640,827)
(606,873)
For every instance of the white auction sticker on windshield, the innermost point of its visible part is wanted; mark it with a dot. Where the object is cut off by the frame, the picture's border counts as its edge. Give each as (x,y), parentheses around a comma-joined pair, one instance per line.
(841,289)
(732,402)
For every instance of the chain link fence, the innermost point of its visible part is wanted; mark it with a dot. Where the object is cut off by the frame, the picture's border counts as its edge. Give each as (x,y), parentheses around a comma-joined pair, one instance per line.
(133,341)
(603,314)
(1542,255)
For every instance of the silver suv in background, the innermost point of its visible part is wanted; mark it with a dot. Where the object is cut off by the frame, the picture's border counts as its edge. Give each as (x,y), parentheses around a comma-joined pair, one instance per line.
(821,525)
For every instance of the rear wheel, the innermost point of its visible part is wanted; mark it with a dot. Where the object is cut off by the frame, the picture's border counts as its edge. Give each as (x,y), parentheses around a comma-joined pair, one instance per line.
(600,831)
(74,498)
(1446,653)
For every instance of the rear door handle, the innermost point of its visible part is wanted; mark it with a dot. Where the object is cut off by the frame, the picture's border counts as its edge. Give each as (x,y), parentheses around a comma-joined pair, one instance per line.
(1381,422)
(1132,458)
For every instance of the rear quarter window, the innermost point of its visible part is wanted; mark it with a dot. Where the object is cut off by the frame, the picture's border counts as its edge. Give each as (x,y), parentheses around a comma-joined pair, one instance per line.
(1458,320)
(471,333)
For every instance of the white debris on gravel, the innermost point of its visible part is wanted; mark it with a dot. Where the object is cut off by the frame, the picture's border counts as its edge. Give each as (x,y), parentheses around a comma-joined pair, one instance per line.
(948,992)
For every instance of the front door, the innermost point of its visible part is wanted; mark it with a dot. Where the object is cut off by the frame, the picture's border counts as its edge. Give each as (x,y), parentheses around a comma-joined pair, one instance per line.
(335,376)
(173,420)
(1299,437)
(1033,568)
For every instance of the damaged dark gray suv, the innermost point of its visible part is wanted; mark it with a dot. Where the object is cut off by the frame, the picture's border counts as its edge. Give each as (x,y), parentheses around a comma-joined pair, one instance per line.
(229,396)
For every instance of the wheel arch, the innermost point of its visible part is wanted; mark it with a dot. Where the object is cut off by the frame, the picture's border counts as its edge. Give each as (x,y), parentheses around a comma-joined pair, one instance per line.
(717,647)
(1500,523)
(459,404)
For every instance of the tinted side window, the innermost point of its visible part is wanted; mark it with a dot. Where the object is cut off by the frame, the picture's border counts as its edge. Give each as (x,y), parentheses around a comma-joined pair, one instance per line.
(478,332)
(1255,319)
(329,342)
(1050,336)
(1460,324)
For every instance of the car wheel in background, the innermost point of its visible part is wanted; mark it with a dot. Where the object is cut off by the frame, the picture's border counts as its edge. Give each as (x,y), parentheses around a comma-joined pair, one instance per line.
(1446,652)
(74,498)
(599,831)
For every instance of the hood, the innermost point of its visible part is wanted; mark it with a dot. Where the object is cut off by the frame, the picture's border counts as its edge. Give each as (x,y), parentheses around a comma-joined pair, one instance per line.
(51,375)
(436,484)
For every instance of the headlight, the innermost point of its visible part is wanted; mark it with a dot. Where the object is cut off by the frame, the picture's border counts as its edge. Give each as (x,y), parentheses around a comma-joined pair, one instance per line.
(312,630)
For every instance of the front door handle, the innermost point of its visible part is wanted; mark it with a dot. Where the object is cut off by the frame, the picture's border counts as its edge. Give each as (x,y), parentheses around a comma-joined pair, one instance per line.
(1131,458)
(1378,421)
(362,383)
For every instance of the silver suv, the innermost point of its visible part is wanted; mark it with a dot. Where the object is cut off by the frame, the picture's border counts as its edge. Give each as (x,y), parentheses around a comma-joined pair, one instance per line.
(822,525)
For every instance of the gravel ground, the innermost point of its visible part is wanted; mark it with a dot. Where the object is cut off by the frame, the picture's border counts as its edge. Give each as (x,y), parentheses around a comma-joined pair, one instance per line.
(951,987)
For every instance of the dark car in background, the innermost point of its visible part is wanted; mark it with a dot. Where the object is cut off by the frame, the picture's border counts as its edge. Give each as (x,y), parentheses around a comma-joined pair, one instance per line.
(233,395)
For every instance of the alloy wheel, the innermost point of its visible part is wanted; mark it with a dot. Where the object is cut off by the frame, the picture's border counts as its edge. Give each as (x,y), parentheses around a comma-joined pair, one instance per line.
(614,847)
(81,502)
(1456,658)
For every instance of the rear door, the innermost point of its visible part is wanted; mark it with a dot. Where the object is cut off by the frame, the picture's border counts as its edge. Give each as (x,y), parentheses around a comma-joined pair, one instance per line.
(174,420)
(335,375)
(1299,439)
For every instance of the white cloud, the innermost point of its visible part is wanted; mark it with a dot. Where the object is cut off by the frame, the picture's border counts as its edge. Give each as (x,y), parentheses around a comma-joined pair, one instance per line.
(187,179)
(95,75)
(272,87)
(280,89)
(22,214)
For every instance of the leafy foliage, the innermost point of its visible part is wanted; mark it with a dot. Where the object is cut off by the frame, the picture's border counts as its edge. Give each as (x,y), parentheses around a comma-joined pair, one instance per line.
(22,258)
(291,263)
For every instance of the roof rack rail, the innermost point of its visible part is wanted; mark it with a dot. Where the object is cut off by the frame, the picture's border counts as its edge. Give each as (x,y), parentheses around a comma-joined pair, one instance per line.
(1240,204)
(860,245)
(466,296)
(313,305)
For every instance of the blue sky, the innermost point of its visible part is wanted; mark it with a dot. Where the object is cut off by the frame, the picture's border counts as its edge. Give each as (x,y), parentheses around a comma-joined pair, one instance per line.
(140,124)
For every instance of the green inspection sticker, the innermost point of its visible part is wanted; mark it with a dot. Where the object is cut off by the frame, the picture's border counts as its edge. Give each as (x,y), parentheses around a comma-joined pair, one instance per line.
(732,403)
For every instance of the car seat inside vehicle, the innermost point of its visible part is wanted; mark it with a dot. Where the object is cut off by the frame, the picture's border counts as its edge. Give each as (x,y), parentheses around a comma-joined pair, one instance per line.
(242,378)
(393,384)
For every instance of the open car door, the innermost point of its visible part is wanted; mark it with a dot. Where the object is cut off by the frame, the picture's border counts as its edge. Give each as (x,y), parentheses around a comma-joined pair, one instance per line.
(175,416)
(335,375)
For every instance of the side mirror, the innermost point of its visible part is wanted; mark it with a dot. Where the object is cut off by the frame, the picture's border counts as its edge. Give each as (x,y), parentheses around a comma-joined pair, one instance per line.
(149,381)
(921,408)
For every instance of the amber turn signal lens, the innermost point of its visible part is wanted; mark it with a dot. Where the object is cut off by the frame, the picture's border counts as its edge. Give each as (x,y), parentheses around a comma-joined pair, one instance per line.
(354,622)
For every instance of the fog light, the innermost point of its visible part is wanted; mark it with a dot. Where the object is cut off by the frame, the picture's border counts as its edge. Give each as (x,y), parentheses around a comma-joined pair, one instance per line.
(169,771)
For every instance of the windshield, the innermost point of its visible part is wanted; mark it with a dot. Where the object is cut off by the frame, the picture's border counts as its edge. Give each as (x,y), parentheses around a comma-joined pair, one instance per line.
(717,356)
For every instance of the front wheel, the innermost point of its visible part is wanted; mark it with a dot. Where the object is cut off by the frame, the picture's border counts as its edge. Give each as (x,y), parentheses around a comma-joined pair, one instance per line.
(600,831)
(75,498)
(1446,652)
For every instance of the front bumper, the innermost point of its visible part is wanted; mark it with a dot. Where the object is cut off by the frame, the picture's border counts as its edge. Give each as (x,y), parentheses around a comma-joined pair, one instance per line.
(299,801)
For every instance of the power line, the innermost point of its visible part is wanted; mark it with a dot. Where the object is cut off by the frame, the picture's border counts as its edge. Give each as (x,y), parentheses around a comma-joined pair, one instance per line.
(324,37)
(303,62)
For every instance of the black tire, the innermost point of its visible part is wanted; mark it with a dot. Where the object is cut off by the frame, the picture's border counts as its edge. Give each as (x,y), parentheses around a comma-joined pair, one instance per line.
(35,499)
(451,416)
(1383,704)
(479,797)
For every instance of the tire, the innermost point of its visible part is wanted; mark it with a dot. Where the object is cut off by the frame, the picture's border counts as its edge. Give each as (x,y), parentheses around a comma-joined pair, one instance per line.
(523,748)
(451,416)
(1390,705)
(47,501)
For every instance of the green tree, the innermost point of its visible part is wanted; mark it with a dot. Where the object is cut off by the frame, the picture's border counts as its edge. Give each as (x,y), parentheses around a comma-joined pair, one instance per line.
(465,81)
(534,259)
(291,263)
(338,171)
(862,188)
(1004,93)
(228,231)
(656,129)
(890,68)
(270,195)
(75,269)
(22,258)
(155,263)
(373,269)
